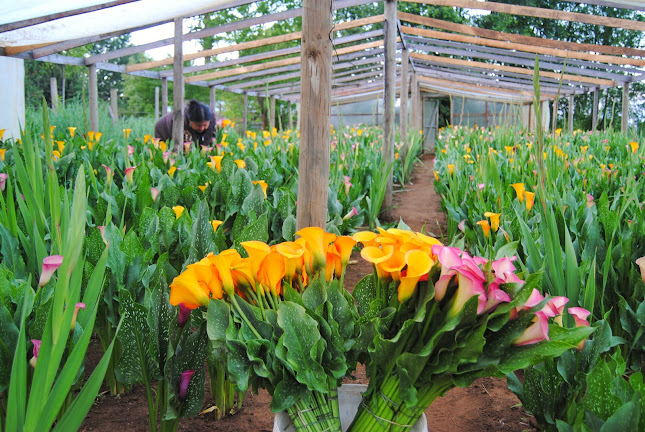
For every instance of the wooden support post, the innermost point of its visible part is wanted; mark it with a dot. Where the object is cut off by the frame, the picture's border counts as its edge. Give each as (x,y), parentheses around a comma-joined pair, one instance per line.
(290,116)
(625,123)
(213,98)
(245,115)
(178,88)
(272,114)
(298,113)
(315,98)
(452,111)
(53,89)
(554,117)
(389,28)
(114,105)
(571,109)
(413,102)
(403,109)
(156,103)
(164,96)
(594,110)
(94,98)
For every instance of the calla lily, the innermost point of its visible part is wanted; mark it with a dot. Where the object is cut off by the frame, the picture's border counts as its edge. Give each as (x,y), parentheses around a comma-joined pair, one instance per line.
(494,220)
(184,382)
(344,246)
(634,146)
(216,223)
(536,332)
(257,251)
(224,263)
(126,133)
(240,163)
(34,360)
(485,227)
(353,212)
(449,259)
(347,183)
(184,314)
(641,264)
(391,268)
(272,270)
(154,192)
(179,210)
(217,161)
(3,181)
(530,199)
(590,201)
(130,150)
(171,171)
(165,156)
(202,187)
(503,265)
(367,238)
(317,241)
(50,265)
(263,184)
(495,296)
(2,154)
(418,265)
(451,168)
(189,290)
(376,255)
(97,137)
(333,265)
(293,253)
(109,174)
(78,307)
(72,131)
(519,191)
(580,318)
(129,174)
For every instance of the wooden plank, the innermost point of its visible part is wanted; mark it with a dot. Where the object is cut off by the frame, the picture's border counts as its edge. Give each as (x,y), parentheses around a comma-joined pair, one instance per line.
(403,106)
(571,111)
(527,40)
(114,104)
(178,90)
(502,55)
(156,104)
(525,48)
(93,98)
(625,119)
(538,13)
(481,65)
(277,63)
(390,30)
(259,43)
(63,14)
(164,96)
(53,93)
(635,5)
(272,112)
(315,101)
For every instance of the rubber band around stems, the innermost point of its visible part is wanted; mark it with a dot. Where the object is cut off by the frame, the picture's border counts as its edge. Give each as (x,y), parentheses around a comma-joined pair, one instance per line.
(381,419)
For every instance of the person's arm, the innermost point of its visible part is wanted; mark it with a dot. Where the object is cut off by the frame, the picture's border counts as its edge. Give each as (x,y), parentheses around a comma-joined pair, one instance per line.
(163,128)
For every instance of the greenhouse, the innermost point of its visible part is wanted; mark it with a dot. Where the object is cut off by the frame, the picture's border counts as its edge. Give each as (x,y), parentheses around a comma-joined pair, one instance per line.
(315,215)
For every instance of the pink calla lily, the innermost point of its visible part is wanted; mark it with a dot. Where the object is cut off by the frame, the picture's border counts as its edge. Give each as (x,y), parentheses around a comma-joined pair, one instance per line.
(536,332)
(3,181)
(50,264)
(184,382)
(184,314)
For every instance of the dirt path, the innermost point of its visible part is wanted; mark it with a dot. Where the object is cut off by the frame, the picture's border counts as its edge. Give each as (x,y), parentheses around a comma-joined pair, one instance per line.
(485,406)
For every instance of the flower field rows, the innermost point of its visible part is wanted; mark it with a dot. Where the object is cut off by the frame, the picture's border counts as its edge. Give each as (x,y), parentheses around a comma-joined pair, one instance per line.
(188,267)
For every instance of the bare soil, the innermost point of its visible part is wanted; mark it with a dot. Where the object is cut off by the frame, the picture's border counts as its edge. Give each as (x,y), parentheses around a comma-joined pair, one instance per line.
(487,405)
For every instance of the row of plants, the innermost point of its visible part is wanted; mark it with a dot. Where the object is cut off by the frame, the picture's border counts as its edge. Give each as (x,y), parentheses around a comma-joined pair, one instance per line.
(147,214)
(572,207)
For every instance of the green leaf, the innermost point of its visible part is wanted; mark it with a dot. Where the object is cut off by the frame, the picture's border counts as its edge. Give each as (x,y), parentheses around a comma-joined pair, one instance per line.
(364,292)
(202,238)
(508,250)
(134,337)
(289,228)
(304,345)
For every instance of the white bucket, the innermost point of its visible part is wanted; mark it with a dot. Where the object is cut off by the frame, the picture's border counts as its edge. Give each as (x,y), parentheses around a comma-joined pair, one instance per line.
(349,398)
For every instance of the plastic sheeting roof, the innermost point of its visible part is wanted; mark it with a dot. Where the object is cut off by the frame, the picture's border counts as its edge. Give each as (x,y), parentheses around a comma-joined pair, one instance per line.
(109,19)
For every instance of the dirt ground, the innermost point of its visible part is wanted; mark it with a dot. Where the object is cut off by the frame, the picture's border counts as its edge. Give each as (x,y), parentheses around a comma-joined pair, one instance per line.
(487,405)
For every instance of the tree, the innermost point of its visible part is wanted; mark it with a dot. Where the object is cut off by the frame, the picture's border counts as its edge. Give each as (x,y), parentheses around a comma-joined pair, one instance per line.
(610,105)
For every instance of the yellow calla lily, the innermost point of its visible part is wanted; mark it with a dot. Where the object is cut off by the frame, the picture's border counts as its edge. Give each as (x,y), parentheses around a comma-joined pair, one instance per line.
(530,199)
(494,220)
(72,131)
(179,210)
(419,264)
(485,227)
(263,184)
(2,152)
(215,224)
(367,238)
(293,254)
(519,191)
(171,171)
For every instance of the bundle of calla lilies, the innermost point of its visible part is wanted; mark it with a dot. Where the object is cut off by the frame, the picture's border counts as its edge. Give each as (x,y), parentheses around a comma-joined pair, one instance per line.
(430,317)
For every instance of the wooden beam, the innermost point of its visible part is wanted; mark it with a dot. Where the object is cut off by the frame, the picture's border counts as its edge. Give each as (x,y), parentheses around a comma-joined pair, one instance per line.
(93,98)
(468,63)
(390,30)
(538,13)
(525,48)
(277,63)
(178,90)
(315,98)
(634,4)
(526,40)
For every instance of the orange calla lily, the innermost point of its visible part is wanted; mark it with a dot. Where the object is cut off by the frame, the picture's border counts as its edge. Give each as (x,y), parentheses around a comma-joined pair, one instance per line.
(257,251)
(485,227)
(530,200)
(224,262)
(419,264)
(317,241)
(187,289)
(272,270)
(216,223)
(333,265)
(367,238)
(344,246)
(392,267)
(519,190)
(293,255)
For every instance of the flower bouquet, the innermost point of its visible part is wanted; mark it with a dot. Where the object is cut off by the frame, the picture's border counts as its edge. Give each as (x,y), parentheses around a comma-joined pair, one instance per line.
(429,318)
(443,319)
(285,320)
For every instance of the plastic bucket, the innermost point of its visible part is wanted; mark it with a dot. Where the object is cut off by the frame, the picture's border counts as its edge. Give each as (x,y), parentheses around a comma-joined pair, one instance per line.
(349,398)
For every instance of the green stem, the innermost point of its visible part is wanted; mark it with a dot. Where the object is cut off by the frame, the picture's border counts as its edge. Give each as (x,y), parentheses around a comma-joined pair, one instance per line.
(243,316)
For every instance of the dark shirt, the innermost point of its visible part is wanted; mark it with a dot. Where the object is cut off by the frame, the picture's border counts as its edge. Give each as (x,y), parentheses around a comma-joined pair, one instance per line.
(163,130)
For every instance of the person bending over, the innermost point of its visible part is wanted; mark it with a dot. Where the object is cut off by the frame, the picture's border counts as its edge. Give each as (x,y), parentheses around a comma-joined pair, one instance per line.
(199,125)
